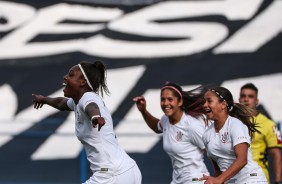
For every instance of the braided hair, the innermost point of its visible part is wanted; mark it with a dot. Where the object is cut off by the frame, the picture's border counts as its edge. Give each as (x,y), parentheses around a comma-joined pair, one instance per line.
(96,74)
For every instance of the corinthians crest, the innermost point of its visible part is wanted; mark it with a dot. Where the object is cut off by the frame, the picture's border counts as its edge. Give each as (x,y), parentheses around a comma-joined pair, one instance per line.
(179,136)
(225,137)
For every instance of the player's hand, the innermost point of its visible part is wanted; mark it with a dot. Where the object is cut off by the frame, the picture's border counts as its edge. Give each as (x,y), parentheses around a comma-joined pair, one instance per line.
(211,180)
(37,101)
(140,103)
(98,121)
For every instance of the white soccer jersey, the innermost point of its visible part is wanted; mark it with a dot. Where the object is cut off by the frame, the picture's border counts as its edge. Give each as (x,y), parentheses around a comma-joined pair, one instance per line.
(183,143)
(220,147)
(102,149)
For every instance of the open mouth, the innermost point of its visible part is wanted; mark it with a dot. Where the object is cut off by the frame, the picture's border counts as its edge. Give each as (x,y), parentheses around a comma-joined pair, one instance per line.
(166,109)
(208,111)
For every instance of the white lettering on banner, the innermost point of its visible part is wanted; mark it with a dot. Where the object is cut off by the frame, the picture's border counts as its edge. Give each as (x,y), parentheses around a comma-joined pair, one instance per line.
(254,35)
(16,14)
(133,133)
(118,48)
(8,107)
(15,44)
(143,23)
(56,145)
(8,102)
(24,119)
(194,36)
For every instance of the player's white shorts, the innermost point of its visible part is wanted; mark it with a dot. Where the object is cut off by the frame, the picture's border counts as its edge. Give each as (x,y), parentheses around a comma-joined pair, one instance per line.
(191,181)
(131,176)
(255,177)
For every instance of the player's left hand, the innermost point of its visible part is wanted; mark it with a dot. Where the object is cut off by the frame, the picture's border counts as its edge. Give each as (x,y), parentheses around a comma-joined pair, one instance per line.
(98,121)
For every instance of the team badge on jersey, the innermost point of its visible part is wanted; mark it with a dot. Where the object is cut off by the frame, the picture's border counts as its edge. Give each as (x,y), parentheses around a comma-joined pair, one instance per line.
(179,136)
(225,137)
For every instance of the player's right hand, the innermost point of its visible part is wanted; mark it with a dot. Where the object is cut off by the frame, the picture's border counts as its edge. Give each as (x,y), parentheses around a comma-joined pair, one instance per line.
(37,101)
(140,103)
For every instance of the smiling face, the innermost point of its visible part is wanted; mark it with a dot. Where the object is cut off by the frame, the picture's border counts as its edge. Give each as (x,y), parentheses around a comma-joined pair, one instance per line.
(170,103)
(73,82)
(214,108)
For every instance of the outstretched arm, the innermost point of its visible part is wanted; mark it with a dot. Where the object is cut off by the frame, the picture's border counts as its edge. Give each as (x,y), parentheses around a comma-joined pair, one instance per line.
(151,121)
(59,103)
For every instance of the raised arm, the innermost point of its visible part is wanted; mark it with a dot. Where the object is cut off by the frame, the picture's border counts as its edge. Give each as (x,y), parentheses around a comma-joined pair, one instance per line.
(151,121)
(59,103)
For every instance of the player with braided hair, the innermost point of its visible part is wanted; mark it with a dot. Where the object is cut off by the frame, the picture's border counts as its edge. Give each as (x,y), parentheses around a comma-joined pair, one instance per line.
(93,124)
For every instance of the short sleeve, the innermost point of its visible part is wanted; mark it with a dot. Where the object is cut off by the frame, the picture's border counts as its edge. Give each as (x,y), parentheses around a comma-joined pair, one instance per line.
(196,132)
(239,132)
(71,103)
(161,124)
(272,136)
(88,98)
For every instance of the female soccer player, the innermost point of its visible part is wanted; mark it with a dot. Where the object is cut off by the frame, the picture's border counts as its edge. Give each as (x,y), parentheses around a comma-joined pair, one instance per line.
(227,140)
(93,124)
(182,131)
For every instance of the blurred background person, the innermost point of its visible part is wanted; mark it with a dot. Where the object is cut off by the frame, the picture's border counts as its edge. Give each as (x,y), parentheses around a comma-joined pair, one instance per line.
(269,140)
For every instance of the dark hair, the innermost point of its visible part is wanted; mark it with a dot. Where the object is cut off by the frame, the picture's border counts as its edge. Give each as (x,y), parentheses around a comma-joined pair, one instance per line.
(250,86)
(175,88)
(193,100)
(96,74)
(237,110)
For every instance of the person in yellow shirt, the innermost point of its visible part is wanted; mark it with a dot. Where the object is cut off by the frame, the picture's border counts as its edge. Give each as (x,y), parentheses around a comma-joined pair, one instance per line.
(266,142)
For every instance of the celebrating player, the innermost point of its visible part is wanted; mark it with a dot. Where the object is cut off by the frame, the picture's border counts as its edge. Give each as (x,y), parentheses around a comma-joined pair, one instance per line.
(93,124)
(227,140)
(182,131)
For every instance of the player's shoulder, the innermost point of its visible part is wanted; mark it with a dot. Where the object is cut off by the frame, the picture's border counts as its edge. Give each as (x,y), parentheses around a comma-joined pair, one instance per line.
(234,122)
(262,119)
(208,130)
(194,121)
(164,121)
